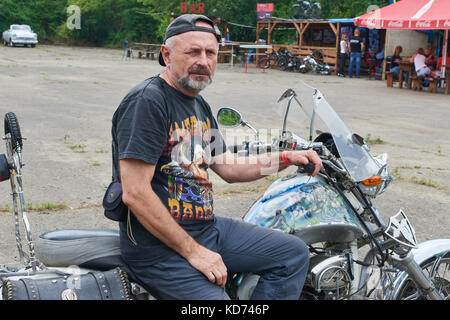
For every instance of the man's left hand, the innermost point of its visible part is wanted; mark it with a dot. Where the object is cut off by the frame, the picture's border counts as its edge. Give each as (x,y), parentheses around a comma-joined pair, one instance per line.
(304,157)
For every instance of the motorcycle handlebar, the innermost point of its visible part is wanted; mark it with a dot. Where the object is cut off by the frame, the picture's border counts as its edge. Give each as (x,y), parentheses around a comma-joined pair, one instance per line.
(309,168)
(251,148)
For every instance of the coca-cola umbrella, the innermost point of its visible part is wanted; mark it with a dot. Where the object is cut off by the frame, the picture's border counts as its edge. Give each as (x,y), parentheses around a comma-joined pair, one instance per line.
(411,14)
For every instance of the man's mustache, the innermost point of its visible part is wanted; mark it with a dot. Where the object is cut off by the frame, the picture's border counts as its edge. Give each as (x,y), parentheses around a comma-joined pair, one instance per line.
(199,70)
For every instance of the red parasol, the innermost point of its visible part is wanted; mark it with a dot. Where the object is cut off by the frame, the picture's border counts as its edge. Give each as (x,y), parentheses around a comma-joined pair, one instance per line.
(411,14)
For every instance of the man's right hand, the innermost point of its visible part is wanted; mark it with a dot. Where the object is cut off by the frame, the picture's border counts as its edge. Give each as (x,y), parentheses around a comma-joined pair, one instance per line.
(154,216)
(210,264)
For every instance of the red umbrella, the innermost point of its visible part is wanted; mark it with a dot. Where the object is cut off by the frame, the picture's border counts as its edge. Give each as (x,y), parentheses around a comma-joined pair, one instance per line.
(411,14)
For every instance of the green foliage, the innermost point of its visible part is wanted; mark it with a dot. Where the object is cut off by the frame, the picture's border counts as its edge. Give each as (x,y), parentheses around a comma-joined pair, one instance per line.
(110,22)
(348,8)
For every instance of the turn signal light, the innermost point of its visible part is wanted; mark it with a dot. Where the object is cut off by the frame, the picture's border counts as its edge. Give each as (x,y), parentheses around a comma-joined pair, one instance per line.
(372,181)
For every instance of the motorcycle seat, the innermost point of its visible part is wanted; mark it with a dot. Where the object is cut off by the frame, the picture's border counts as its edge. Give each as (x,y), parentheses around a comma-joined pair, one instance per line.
(92,249)
(72,234)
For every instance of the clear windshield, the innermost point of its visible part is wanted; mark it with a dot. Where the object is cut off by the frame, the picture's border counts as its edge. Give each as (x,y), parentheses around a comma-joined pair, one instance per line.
(357,160)
(21,27)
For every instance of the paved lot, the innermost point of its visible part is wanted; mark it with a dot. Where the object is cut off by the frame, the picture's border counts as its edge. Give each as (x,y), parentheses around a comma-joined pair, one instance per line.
(65,97)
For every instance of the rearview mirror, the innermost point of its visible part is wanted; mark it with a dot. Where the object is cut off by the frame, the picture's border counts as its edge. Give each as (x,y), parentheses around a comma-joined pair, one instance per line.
(229,117)
(357,139)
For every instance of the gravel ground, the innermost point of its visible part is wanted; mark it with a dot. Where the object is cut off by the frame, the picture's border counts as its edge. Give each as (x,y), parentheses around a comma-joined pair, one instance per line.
(64,98)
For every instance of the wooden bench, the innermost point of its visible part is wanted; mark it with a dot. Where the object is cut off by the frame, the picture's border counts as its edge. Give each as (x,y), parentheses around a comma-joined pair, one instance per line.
(390,79)
(434,83)
(416,82)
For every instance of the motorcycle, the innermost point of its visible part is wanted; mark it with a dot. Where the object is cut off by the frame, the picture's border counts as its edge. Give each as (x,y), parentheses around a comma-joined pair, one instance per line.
(354,253)
(309,63)
(288,61)
(331,212)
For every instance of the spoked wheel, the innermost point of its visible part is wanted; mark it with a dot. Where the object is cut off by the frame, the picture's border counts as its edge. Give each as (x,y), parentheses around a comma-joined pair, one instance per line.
(14,145)
(318,56)
(12,129)
(437,269)
(264,62)
(283,63)
(13,138)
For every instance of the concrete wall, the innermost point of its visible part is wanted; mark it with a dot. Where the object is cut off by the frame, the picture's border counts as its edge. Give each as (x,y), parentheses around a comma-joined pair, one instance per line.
(410,40)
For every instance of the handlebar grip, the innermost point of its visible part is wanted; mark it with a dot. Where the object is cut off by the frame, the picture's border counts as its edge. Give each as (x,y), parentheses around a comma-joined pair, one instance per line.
(309,168)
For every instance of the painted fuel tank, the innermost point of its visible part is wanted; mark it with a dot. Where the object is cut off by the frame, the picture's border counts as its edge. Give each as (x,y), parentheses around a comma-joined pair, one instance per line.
(307,207)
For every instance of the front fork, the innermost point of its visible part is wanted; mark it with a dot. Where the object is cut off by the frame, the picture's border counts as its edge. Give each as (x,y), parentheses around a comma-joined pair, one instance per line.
(416,273)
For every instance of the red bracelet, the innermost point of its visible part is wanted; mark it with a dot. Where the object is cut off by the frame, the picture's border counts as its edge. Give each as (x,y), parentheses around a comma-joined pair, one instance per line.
(284,158)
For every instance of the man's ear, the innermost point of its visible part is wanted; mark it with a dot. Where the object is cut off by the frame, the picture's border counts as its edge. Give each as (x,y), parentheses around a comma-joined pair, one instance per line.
(165,51)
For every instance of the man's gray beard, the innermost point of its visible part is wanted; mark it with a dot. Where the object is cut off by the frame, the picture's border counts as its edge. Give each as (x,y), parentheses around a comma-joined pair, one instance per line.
(193,85)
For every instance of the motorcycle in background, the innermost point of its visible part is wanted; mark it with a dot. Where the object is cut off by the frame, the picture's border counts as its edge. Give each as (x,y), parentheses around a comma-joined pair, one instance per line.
(288,61)
(309,63)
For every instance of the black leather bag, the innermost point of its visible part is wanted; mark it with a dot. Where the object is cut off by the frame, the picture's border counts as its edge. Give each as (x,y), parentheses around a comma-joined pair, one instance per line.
(108,285)
(114,207)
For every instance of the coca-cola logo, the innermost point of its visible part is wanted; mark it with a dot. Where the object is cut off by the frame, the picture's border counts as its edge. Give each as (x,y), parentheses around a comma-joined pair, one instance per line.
(447,23)
(423,24)
(370,23)
(398,24)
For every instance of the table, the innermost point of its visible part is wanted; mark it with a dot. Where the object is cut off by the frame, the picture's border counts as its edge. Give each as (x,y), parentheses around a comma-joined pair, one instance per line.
(230,52)
(148,52)
(405,66)
(257,47)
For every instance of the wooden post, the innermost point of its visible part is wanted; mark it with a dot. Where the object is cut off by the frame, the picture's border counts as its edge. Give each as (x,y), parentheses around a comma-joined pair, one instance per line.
(298,29)
(444,53)
(303,31)
(257,32)
(336,33)
(300,36)
(269,32)
(383,76)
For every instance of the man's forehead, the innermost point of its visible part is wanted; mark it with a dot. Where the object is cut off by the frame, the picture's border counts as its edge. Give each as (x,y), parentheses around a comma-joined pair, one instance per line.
(196,38)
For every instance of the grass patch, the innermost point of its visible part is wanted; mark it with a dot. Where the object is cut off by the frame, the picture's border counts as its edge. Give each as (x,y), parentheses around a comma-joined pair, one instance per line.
(96,164)
(424,182)
(78,148)
(375,140)
(5,208)
(46,206)
(50,206)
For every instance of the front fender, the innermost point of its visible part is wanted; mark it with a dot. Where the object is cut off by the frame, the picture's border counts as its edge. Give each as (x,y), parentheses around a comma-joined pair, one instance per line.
(421,254)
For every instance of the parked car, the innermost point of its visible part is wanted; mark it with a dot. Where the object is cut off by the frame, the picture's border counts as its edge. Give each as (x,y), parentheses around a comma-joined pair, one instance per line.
(19,34)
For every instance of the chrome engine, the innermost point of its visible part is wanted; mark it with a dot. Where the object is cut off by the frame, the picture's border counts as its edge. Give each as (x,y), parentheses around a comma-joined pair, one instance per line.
(329,278)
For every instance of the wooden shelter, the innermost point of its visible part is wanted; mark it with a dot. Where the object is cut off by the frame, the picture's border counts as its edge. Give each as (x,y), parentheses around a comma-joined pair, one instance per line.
(312,34)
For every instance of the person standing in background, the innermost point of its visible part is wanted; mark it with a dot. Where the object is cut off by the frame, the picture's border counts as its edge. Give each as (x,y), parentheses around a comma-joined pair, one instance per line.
(356,48)
(343,54)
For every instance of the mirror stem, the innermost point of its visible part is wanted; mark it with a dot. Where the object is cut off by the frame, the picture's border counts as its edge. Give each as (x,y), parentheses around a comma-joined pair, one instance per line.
(254,130)
(286,114)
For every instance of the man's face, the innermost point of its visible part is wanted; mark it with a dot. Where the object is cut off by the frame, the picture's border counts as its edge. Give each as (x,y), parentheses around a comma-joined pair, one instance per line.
(356,32)
(191,59)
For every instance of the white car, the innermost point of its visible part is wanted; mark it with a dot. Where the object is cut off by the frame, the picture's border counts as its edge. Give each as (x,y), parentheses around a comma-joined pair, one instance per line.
(19,34)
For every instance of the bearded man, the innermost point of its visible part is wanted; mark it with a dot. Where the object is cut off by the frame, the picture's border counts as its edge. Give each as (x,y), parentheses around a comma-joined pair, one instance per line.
(165,138)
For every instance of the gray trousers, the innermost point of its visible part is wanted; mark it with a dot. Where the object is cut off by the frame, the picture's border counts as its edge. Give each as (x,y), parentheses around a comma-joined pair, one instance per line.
(280,259)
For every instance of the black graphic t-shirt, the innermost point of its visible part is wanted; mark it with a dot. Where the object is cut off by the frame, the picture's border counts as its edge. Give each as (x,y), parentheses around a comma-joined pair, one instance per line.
(355,43)
(160,125)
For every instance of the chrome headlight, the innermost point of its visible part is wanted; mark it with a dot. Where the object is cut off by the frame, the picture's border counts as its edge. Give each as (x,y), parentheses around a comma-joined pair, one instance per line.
(377,184)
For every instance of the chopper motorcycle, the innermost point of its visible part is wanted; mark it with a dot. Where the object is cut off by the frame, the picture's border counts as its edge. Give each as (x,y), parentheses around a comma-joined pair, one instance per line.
(310,63)
(354,254)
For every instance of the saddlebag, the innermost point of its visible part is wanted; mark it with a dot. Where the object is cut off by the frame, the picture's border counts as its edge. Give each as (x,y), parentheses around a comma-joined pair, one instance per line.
(96,285)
